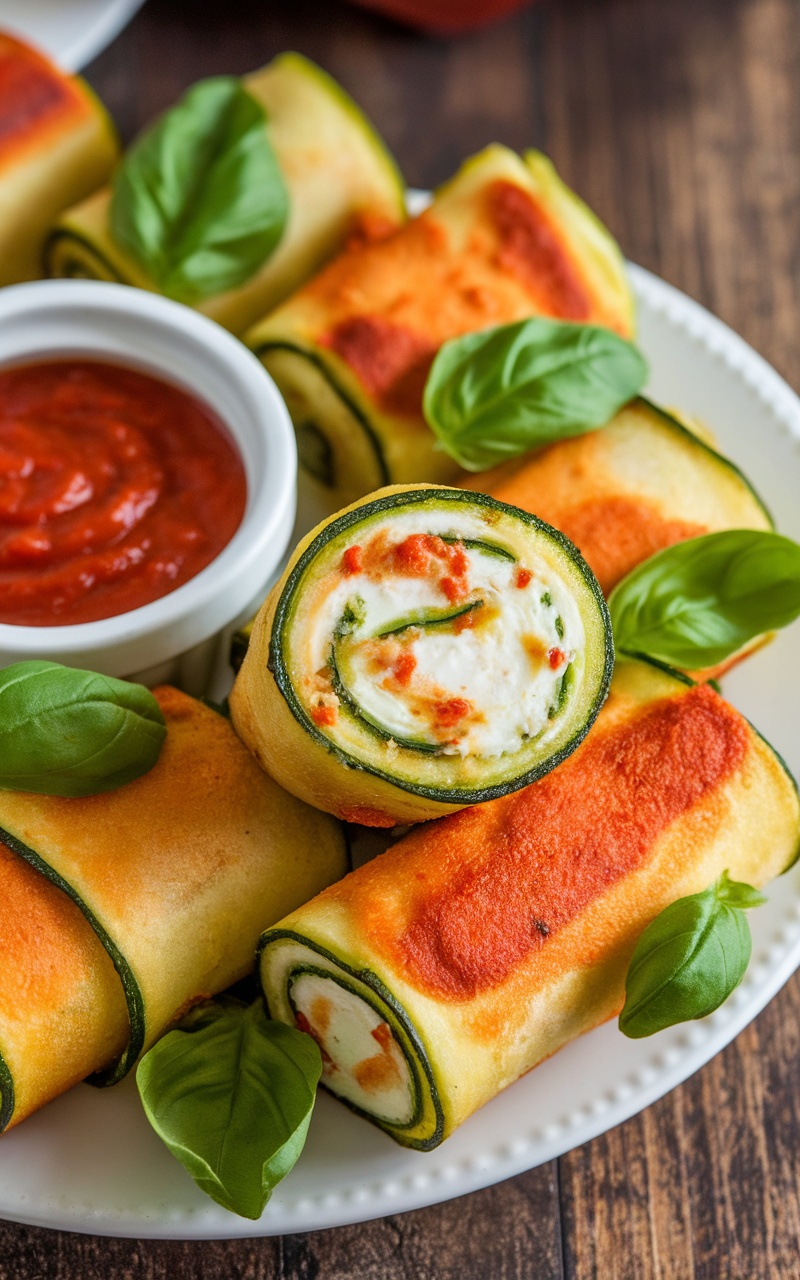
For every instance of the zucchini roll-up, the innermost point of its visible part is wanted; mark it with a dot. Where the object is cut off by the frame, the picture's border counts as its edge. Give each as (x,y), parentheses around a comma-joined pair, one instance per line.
(436,975)
(621,494)
(425,650)
(57,145)
(341,181)
(636,486)
(122,909)
(504,240)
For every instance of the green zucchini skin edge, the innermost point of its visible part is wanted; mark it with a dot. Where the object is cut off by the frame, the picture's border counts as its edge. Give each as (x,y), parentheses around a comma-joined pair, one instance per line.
(349,703)
(361,418)
(410,497)
(62,234)
(678,426)
(133,995)
(7,1095)
(682,677)
(426,624)
(298,971)
(373,982)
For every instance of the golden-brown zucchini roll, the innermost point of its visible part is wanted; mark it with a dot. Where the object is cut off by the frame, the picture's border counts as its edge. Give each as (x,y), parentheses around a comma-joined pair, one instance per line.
(621,494)
(63,1012)
(168,880)
(439,973)
(502,241)
(636,486)
(57,145)
(341,180)
(426,649)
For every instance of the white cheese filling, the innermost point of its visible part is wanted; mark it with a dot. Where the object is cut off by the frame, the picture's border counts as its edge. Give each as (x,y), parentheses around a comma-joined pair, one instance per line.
(508,666)
(362,1061)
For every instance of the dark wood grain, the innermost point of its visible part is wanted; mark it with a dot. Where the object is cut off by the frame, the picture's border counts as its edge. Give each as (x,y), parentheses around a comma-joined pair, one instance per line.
(679,121)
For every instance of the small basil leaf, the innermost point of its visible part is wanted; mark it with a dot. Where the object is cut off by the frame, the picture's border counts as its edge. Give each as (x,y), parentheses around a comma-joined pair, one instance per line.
(492,395)
(697,602)
(738,894)
(689,959)
(65,732)
(231,1094)
(199,200)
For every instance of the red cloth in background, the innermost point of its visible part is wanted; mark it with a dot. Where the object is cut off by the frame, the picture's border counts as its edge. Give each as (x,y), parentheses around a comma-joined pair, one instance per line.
(443,16)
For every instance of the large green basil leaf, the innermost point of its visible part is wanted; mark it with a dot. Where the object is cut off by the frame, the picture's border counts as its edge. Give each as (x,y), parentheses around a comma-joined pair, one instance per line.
(231,1094)
(690,959)
(696,603)
(199,200)
(65,732)
(492,395)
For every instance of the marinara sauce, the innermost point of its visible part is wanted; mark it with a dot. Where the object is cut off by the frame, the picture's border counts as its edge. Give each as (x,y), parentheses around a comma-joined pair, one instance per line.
(115,488)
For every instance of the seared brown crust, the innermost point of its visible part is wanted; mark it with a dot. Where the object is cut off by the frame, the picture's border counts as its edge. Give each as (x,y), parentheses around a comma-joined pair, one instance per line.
(38,103)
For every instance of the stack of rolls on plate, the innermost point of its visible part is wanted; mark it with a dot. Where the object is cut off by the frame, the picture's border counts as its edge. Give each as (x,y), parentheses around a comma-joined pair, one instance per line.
(479,944)
(437,974)
(121,910)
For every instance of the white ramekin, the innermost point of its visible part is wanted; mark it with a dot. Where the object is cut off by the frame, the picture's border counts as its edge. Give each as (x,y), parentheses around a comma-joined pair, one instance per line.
(176,638)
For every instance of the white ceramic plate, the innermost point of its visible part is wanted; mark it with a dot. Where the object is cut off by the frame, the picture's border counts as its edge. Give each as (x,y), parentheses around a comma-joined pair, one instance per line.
(89,1161)
(71,31)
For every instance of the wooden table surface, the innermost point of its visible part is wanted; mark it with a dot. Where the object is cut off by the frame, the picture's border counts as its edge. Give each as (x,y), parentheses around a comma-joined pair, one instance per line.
(679,122)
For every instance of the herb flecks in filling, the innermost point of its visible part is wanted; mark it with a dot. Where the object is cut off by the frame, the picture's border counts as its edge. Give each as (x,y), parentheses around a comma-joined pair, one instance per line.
(441,642)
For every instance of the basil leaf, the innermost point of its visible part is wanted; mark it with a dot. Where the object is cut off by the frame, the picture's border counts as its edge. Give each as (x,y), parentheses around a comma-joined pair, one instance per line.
(65,732)
(492,395)
(696,603)
(199,200)
(690,959)
(231,1094)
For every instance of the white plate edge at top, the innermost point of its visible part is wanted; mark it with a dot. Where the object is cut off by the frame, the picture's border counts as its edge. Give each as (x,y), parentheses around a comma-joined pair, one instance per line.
(487,1149)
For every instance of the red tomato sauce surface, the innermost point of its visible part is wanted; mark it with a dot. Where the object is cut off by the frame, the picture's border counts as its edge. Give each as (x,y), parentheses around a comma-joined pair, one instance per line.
(115,488)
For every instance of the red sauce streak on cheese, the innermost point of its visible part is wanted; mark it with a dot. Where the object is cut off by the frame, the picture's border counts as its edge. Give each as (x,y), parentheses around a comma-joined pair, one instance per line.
(522,579)
(381,1071)
(391,360)
(413,555)
(32,94)
(456,589)
(422,554)
(352,561)
(302,1023)
(450,711)
(115,488)
(555,658)
(531,248)
(566,840)
(324,714)
(404,668)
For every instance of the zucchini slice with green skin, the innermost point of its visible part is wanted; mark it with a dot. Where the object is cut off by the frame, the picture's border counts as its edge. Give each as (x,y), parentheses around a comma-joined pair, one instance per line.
(173,877)
(636,486)
(59,145)
(640,484)
(478,945)
(63,1013)
(503,240)
(342,182)
(395,674)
